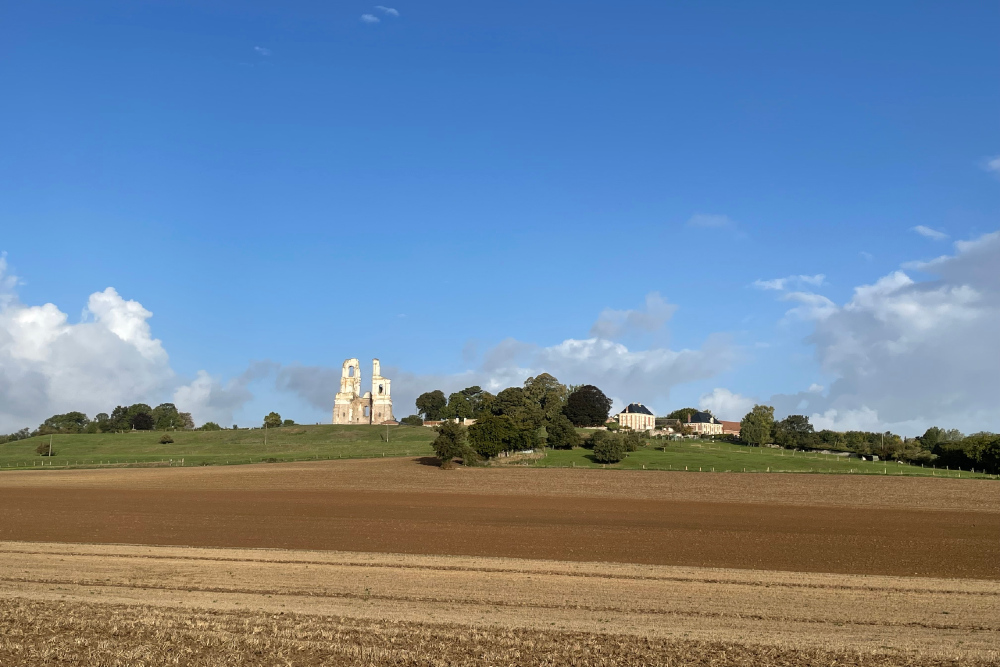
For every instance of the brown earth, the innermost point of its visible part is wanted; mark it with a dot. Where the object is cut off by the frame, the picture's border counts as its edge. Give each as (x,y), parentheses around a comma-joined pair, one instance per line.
(129,605)
(803,523)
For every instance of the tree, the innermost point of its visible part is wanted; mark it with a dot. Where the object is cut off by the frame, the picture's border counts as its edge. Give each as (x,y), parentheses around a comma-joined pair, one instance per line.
(562,434)
(608,447)
(103,422)
(45,449)
(209,426)
(793,431)
(587,406)
(682,414)
(450,443)
(412,420)
(547,393)
(272,420)
(458,407)
(166,417)
(288,422)
(755,428)
(493,434)
(431,404)
(187,422)
(71,422)
(143,421)
(515,403)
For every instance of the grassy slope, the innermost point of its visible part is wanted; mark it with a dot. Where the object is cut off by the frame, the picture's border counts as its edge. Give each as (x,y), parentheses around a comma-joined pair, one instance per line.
(221,447)
(725,457)
(331,442)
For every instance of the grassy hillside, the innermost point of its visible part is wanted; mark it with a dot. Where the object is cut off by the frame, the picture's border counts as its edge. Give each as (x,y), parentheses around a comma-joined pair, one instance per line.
(724,457)
(222,447)
(331,442)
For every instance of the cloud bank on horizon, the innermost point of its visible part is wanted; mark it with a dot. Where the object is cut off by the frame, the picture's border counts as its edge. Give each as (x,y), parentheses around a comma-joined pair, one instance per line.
(904,354)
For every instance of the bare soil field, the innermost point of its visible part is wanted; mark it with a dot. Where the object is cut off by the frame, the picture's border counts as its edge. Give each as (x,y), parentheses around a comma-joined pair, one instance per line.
(394,562)
(790,522)
(123,605)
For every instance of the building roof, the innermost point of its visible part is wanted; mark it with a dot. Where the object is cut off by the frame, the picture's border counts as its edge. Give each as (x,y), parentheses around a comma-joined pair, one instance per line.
(637,408)
(730,426)
(703,418)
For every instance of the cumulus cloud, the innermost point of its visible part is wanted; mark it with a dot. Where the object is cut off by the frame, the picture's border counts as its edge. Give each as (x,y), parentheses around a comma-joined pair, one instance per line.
(781,284)
(711,221)
(724,404)
(261,51)
(49,365)
(929,233)
(909,354)
(612,324)
(626,375)
(389,11)
(370,18)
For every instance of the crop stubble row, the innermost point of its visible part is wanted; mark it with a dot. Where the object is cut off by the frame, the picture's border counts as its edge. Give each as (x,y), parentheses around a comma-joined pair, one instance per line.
(666,608)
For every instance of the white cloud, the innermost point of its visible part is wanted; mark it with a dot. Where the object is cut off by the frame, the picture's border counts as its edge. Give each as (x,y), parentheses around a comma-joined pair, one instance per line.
(612,324)
(49,365)
(369,18)
(815,388)
(909,354)
(812,306)
(724,404)
(626,375)
(781,284)
(929,233)
(867,256)
(711,221)
(261,51)
(387,10)
(992,164)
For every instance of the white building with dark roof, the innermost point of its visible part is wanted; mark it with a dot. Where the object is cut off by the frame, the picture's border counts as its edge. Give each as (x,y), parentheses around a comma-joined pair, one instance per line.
(703,423)
(637,417)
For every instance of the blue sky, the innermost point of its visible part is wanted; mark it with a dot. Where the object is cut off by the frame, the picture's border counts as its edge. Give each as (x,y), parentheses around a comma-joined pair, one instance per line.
(284,185)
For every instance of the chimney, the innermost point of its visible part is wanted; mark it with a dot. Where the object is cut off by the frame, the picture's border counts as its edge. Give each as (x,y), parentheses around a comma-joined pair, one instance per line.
(689,418)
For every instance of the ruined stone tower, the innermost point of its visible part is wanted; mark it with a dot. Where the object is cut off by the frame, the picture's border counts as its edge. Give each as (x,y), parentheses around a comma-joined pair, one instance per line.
(352,407)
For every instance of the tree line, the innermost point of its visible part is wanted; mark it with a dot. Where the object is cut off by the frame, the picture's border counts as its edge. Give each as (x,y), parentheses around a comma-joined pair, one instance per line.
(937,446)
(542,413)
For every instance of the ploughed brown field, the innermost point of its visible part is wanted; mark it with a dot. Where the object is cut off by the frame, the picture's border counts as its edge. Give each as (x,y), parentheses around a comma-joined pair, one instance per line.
(396,562)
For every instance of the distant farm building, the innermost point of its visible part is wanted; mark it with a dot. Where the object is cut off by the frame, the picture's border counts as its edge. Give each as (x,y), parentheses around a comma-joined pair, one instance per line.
(731,428)
(703,423)
(636,417)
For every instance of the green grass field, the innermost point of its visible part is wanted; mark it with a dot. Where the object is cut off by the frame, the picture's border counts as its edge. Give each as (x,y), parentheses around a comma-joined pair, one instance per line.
(291,443)
(220,447)
(705,456)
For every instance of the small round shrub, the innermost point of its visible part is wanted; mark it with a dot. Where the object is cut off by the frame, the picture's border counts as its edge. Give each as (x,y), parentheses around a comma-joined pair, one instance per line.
(43,449)
(166,439)
(608,447)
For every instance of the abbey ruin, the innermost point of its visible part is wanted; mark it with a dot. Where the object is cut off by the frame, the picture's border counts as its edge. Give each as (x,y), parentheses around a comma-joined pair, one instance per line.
(352,407)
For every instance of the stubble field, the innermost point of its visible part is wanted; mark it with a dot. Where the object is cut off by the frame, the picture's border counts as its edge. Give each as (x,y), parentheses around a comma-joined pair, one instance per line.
(396,562)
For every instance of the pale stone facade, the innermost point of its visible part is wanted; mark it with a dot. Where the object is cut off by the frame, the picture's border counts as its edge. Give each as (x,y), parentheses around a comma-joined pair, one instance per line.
(636,417)
(352,407)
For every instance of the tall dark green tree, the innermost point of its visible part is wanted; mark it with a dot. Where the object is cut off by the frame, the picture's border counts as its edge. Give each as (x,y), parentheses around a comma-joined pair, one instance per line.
(547,393)
(561,434)
(272,420)
(755,428)
(452,442)
(492,435)
(431,404)
(794,431)
(587,406)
